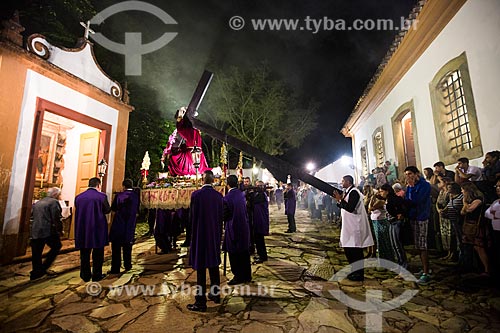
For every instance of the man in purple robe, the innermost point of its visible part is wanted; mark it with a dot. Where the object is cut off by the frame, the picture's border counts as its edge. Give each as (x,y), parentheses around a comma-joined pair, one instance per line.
(122,233)
(206,215)
(260,221)
(237,233)
(91,229)
(290,204)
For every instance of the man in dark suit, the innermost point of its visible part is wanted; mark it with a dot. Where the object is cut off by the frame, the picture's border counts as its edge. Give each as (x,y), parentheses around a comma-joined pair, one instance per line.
(260,221)
(237,233)
(290,205)
(91,229)
(122,233)
(45,230)
(206,215)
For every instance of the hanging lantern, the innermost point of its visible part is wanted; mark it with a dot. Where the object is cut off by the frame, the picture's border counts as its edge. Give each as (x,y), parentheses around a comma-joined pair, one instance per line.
(101,168)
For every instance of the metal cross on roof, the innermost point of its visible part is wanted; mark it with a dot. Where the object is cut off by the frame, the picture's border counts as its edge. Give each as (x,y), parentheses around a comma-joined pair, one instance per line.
(87,29)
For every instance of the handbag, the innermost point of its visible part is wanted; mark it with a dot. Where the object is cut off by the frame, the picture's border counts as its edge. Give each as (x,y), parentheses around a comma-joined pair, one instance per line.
(470,227)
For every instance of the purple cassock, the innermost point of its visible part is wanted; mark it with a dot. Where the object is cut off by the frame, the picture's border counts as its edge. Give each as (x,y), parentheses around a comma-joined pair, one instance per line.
(126,206)
(91,226)
(205,215)
(237,229)
(260,213)
(290,202)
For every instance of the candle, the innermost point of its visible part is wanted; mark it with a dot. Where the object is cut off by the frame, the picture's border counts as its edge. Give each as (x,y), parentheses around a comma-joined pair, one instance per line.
(41,182)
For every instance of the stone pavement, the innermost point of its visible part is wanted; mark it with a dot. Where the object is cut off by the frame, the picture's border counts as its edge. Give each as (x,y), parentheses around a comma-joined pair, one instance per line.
(289,293)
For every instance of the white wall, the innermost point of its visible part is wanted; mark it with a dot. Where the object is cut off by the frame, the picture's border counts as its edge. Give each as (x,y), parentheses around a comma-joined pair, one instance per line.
(37,85)
(475,29)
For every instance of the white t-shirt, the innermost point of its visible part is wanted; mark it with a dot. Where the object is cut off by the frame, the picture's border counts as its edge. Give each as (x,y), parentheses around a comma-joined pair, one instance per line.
(475,172)
(493,213)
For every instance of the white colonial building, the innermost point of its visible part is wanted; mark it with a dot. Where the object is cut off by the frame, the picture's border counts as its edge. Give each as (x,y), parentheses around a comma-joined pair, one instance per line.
(435,97)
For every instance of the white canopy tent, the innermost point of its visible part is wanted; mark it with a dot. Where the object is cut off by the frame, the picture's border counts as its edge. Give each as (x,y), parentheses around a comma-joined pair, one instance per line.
(333,172)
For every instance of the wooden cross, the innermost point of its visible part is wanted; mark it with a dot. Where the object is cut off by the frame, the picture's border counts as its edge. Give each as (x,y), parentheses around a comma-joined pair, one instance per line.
(87,29)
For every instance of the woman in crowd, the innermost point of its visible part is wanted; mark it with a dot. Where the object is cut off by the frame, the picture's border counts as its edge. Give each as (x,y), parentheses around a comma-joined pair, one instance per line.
(493,213)
(452,213)
(444,222)
(368,193)
(378,215)
(396,209)
(473,212)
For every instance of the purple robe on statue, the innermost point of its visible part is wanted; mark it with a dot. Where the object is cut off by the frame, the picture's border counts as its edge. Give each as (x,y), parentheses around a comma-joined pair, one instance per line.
(290,202)
(260,213)
(237,229)
(181,160)
(206,215)
(126,206)
(91,226)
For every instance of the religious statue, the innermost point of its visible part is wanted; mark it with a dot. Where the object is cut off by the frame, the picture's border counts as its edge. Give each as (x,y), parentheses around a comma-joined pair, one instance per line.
(177,153)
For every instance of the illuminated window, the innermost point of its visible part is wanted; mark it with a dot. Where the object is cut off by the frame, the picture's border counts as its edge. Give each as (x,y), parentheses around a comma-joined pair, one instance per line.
(378,147)
(454,112)
(364,159)
(458,119)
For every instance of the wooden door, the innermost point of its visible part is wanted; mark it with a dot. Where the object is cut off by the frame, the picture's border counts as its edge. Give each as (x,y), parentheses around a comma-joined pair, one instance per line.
(87,160)
(411,158)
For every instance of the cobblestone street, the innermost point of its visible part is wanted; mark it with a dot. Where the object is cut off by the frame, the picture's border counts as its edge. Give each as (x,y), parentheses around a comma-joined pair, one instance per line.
(289,293)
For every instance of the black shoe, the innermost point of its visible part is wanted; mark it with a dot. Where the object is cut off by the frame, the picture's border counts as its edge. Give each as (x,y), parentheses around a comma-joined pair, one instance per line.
(99,277)
(111,272)
(259,261)
(35,276)
(215,299)
(234,282)
(197,307)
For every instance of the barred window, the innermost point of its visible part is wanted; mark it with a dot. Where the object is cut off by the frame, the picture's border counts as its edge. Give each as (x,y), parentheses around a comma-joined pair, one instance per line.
(458,119)
(364,159)
(454,112)
(378,147)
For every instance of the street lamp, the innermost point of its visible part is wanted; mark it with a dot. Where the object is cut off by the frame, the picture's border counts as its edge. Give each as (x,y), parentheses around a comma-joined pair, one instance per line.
(196,157)
(101,168)
(310,166)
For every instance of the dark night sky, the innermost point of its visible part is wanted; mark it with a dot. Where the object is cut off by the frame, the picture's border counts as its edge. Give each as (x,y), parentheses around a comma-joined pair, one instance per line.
(330,67)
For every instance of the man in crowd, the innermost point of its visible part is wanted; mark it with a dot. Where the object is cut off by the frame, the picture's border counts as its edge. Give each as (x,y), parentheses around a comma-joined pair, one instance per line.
(491,163)
(465,172)
(418,195)
(279,195)
(46,230)
(260,221)
(391,172)
(440,170)
(290,205)
(355,233)
(247,188)
(237,233)
(206,216)
(122,233)
(91,229)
